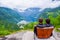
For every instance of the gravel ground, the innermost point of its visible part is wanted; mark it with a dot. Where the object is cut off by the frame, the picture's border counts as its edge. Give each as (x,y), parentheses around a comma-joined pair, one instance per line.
(56,35)
(28,35)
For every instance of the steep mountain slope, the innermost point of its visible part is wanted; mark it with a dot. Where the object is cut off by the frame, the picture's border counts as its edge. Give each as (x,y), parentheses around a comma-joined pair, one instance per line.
(9,15)
(8,20)
(50,11)
(31,14)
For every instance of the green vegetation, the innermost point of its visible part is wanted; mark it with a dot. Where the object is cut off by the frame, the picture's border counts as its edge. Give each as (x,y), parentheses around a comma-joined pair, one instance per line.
(30,25)
(56,22)
(7,28)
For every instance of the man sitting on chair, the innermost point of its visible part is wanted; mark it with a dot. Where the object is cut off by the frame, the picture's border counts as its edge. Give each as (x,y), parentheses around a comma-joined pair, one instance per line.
(40,25)
(48,24)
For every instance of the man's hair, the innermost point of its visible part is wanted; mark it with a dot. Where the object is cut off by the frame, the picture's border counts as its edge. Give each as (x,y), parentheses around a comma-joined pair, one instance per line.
(40,20)
(48,21)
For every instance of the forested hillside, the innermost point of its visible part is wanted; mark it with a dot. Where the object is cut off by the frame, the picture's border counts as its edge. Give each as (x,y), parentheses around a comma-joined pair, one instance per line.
(8,21)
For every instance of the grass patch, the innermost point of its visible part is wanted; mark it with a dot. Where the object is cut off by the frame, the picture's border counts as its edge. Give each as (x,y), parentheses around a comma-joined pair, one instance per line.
(56,28)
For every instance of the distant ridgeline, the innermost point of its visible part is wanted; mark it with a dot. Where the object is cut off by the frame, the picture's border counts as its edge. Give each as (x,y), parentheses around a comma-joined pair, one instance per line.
(9,15)
(54,12)
(30,14)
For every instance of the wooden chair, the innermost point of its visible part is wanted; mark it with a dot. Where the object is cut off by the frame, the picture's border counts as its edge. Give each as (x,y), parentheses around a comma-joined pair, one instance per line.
(44,32)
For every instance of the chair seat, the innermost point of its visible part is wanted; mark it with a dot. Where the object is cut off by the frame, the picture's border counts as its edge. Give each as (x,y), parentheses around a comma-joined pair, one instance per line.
(44,32)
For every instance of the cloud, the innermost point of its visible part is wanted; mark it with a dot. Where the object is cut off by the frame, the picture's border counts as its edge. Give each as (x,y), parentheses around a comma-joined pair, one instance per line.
(23,4)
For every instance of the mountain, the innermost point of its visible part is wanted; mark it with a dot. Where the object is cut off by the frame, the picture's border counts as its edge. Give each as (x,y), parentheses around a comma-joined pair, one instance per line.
(50,11)
(9,15)
(31,14)
(9,19)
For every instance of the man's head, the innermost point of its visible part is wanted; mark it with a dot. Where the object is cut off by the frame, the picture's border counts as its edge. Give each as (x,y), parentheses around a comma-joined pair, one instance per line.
(40,20)
(48,21)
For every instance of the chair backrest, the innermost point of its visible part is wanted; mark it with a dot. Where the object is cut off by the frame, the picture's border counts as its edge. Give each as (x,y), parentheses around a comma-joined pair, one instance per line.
(44,32)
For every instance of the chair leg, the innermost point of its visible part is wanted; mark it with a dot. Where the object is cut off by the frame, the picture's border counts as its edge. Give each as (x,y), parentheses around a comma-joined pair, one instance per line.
(51,34)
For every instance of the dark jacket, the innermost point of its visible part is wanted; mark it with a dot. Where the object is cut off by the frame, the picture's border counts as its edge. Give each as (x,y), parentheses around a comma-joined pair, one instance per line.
(35,28)
(48,25)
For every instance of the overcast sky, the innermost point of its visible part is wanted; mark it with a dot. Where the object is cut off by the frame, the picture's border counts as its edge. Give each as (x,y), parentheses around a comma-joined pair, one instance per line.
(23,4)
